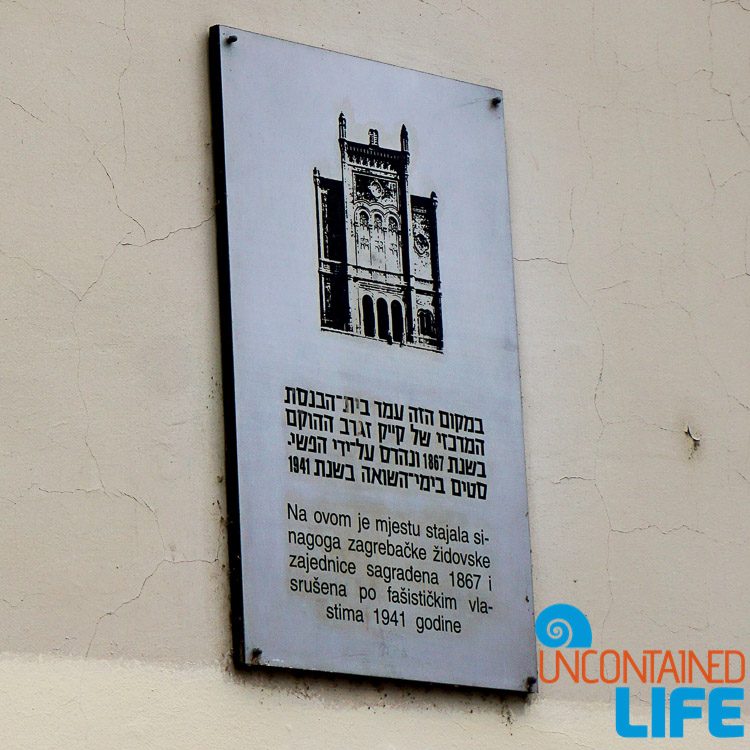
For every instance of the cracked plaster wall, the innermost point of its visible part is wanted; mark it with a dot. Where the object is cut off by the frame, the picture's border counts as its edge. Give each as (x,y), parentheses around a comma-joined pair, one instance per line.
(628,127)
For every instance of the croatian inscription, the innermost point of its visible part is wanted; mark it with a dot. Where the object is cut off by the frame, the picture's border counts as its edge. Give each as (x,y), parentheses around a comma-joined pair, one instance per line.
(387,570)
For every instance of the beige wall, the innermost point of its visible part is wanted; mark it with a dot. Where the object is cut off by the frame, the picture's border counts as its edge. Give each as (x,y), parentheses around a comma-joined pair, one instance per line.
(629,168)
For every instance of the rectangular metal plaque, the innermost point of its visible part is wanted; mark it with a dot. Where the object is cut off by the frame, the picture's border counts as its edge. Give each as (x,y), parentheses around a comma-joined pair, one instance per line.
(376,473)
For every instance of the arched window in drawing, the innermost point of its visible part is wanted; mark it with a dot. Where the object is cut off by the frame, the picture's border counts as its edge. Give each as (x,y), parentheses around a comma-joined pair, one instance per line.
(392,243)
(397,318)
(426,324)
(368,316)
(363,233)
(378,241)
(384,331)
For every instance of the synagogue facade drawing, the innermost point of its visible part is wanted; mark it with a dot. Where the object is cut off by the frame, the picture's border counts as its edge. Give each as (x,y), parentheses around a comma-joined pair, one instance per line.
(377,247)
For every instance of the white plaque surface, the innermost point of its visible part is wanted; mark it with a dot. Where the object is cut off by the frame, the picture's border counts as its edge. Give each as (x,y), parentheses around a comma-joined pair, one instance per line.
(376,473)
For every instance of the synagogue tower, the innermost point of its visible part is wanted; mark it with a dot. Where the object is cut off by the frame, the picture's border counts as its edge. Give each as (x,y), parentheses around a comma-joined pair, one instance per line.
(377,247)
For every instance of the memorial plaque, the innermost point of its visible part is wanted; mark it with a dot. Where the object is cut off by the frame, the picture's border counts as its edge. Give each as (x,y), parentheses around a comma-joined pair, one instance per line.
(375,461)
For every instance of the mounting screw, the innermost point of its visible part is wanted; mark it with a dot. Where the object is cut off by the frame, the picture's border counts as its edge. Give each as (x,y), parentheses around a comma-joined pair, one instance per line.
(496,101)
(232,39)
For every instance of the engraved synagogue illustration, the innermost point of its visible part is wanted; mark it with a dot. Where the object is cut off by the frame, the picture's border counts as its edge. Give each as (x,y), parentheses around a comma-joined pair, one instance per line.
(377,248)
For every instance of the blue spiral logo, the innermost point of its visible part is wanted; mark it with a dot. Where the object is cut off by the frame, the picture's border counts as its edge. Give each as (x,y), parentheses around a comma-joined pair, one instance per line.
(563,626)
